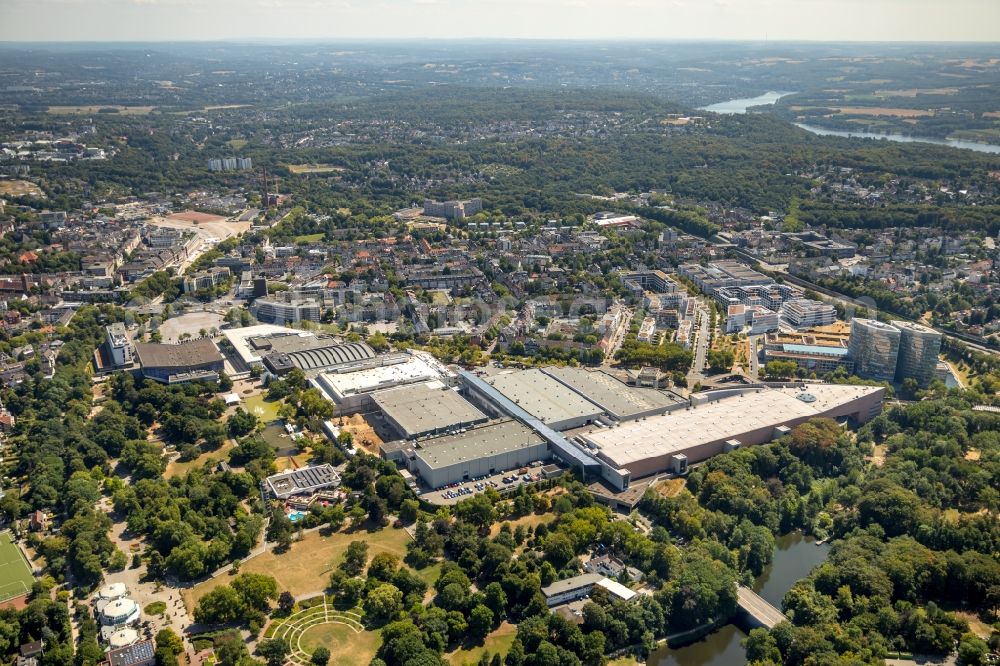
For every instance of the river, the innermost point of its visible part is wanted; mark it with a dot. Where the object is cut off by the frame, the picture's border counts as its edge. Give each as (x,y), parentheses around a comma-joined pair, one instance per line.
(794,557)
(977,146)
(741,105)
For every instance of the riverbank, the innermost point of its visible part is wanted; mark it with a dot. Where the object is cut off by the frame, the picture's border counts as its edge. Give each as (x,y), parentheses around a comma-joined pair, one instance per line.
(961,144)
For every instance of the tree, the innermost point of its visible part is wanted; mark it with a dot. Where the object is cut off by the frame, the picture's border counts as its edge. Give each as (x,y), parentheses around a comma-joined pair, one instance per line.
(286,602)
(256,590)
(241,423)
(382,567)
(220,606)
(274,651)
(972,650)
(355,558)
(559,549)
(480,622)
(320,656)
(761,647)
(781,369)
(166,638)
(383,603)
(478,510)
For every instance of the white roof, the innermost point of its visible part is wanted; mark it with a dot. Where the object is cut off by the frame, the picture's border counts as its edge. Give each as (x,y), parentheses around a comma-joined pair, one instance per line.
(412,370)
(717,421)
(238,339)
(123,637)
(113,591)
(617,589)
(120,607)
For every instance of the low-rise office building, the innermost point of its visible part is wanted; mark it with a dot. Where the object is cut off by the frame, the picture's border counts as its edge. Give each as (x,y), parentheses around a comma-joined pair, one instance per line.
(570,589)
(302,481)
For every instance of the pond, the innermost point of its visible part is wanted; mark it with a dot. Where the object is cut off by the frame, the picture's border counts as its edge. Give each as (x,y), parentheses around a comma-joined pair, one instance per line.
(795,556)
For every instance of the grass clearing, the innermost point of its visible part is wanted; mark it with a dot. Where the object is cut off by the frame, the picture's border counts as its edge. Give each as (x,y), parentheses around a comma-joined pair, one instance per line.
(499,640)
(668,487)
(319,623)
(97,108)
(155,608)
(531,520)
(298,169)
(264,410)
(882,111)
(15,574)
(177,468)
(347,647)
(20,188)
(306,566)
(309,238)
(236,144)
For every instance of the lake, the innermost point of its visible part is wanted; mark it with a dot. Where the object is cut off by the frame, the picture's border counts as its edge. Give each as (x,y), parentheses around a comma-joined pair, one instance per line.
(977,146)
(795,556)
(741,105)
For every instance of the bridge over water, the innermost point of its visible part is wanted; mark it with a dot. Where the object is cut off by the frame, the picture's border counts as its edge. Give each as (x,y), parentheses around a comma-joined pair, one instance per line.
(759,611)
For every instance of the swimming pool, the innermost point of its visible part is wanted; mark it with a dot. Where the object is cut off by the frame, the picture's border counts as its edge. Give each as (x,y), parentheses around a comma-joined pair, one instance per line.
(295,515)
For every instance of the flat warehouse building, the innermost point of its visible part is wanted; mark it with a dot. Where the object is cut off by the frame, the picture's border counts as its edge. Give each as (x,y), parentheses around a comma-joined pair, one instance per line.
(426,409)
(616,398)
(720,421)
(480,451)
(545,398)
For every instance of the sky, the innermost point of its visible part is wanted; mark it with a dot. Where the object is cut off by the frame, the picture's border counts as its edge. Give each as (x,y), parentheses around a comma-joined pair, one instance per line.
(201,20)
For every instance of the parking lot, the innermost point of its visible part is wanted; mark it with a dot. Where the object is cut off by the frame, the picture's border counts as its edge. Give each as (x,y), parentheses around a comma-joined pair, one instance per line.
(457,492)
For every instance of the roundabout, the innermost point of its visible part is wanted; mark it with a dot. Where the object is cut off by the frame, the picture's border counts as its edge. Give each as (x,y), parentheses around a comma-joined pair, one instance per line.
(322,625)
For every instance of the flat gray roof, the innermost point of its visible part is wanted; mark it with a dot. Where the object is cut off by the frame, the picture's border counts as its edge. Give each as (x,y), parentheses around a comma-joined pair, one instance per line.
(569,584)
(426,408)
(492,439)
(543,397)
(612,395)
(726,418)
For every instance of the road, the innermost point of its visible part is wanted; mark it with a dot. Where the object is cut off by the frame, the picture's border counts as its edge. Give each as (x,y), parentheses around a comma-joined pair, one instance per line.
(619,335)
(700,343)
(760,610)
(754,356)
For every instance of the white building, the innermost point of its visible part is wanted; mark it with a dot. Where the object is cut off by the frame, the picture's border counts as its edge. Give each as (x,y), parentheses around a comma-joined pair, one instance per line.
(119,346)
(803,313)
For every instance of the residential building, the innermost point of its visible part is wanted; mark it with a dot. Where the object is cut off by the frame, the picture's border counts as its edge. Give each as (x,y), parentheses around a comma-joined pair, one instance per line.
(287,309)
(118,345)
(452,210)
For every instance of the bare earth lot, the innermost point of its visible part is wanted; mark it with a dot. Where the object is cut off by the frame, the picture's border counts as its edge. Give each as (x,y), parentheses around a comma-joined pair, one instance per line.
(94,108)
(20,188)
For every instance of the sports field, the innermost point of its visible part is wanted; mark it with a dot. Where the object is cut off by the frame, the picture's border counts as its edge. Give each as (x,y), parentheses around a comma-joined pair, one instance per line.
(15,574)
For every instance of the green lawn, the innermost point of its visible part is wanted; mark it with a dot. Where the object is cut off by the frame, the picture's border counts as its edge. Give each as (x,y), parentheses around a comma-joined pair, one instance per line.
(15,574)
(309,238)
(347,647)
(498,641)
(265,410)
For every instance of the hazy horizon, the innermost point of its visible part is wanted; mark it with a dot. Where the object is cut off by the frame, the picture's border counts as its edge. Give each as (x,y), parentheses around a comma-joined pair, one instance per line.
(548,20)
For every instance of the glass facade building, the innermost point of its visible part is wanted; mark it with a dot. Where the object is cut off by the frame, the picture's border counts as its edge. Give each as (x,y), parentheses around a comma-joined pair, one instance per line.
(874,347)
(919,347)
